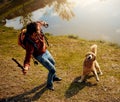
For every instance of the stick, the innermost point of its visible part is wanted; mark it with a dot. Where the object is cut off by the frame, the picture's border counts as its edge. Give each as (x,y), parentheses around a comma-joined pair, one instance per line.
(19,65)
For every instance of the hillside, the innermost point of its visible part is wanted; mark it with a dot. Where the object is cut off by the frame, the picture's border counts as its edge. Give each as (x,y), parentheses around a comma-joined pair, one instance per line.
(69,53)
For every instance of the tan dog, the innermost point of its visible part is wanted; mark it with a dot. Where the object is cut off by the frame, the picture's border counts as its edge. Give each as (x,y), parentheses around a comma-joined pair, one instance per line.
(90,64)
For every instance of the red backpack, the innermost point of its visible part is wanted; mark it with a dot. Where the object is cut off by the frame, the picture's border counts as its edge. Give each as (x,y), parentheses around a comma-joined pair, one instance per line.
(21,38)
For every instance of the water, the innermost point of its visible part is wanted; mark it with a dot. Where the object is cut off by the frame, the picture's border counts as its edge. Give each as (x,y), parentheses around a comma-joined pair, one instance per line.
(89,19)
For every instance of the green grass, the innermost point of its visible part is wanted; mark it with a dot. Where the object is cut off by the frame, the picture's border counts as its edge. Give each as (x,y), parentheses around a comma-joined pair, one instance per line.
(68,52)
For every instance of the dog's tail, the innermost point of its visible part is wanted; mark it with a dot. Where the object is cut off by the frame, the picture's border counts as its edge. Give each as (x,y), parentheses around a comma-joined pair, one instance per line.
(94,49)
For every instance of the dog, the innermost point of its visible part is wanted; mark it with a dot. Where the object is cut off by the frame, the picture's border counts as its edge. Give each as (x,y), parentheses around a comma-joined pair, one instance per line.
(90,64)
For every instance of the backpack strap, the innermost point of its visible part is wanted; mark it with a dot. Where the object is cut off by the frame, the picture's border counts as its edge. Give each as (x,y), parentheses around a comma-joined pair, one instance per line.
(46,39)
(30,41)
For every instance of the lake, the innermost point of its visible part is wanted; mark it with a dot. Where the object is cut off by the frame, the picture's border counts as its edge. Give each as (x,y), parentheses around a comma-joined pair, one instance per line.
(88,19)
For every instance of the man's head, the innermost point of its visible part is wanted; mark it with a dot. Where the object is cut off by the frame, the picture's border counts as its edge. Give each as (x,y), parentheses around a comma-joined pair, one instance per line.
(35,27)
(31,28)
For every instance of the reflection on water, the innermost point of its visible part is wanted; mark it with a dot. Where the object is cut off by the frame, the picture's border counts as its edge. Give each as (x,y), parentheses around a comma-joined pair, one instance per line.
(24,9)
(90,19)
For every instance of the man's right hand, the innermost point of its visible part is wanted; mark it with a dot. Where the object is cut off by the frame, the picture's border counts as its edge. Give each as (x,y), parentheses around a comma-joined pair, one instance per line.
(26,68)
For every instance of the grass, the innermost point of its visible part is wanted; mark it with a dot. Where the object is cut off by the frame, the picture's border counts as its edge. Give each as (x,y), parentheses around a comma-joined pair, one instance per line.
(68,53)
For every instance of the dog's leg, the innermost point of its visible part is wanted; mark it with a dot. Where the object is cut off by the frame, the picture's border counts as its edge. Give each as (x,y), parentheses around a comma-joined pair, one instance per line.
(96,75)
(98,68)
(81,79)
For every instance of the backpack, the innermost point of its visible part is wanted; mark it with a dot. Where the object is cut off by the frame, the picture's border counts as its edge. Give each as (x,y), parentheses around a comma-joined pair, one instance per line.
(21,38)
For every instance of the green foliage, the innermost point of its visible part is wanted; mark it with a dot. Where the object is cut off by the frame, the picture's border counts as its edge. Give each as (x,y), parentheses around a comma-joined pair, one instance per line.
(114,45)
(48,34)
(73,36)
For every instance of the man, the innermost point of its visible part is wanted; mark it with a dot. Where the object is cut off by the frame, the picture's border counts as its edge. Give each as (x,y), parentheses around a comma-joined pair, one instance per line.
(39,51)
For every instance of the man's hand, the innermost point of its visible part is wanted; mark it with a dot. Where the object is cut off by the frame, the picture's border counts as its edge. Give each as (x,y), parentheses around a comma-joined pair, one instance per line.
(26,68)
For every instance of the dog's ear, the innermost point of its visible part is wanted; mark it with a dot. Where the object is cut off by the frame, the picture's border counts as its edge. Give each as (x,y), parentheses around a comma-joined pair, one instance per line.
(93,57)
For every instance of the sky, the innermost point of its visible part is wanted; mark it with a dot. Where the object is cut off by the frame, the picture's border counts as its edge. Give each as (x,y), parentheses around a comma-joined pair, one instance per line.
(93,20)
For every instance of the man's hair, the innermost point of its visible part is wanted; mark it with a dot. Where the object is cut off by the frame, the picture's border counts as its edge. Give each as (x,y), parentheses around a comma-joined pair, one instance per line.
(31,28)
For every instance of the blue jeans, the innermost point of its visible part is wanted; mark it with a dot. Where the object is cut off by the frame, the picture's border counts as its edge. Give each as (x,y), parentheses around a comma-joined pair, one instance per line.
(48,62)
